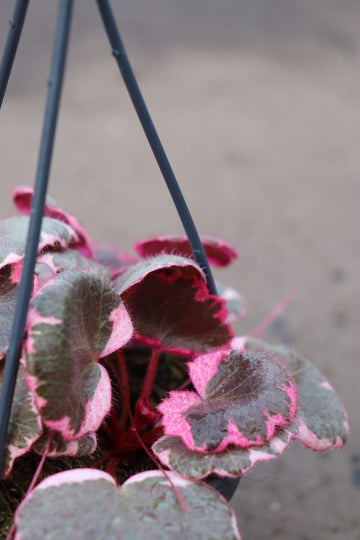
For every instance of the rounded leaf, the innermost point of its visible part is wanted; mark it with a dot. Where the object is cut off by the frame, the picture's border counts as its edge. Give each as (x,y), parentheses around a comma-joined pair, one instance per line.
(22,197)
(218,251)
(74,320)
(232,462)
(321,421)
(242,398)
(89,506)
(171,307)
(13,232)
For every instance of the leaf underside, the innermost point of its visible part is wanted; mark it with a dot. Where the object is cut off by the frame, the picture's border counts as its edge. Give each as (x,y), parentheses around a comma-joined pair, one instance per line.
(218,252)
(172,308)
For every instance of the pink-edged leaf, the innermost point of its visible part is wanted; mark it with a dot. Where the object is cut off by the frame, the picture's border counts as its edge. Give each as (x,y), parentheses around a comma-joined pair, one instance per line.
(218,251)
(242,398)
(321,421)
(13,233)
(22,197)
(235,302)
(231,462)
(25,425)
(84,446)
(90,506)
(114,259)
(8,292)
(71,259)
(9,285)
(171,307)
(74,320)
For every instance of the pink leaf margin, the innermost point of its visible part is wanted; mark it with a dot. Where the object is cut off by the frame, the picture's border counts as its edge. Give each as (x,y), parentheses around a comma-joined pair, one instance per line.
(219,252)
(201,370)
(22,198)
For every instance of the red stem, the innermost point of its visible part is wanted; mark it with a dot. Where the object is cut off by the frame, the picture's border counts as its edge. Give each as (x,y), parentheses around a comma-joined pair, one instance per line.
(150,373)
(125,389)
(178,495)
(10,534)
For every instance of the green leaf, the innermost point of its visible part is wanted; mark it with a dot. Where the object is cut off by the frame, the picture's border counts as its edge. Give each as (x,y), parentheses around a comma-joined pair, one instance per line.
(321,420)
(89,506)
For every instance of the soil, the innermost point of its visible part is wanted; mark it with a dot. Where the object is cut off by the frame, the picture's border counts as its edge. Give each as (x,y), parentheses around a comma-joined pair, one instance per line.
(258,106)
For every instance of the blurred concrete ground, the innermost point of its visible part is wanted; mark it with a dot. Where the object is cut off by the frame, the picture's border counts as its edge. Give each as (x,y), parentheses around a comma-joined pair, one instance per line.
(258,105)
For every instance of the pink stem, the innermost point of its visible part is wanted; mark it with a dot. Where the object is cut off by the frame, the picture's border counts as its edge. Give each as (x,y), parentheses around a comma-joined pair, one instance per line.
(37,473)
(150,373)
(275,313)
(178,495)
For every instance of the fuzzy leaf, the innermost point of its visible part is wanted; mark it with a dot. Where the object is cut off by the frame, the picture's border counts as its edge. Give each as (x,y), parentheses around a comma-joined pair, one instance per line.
(218,252)
(73,260)
(170,306)
(22,197)
(242,398)
(74,320)
(321,420)
(13,233)
(89,506)
(114,259)
(25,425)
(231,462)
(59,447)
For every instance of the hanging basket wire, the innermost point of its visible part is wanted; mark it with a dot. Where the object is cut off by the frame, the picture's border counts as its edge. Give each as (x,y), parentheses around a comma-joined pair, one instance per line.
(227,486)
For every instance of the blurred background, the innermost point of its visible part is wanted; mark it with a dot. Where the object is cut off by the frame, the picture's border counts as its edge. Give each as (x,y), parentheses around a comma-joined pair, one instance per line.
(257,103)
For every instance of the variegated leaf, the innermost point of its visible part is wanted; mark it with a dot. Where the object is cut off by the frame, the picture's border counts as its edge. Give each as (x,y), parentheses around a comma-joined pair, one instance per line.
(232,462)
(13,233)
(25,425)
(242,398)
(321,421)
(73,260)
(60,447)
(89,506)
(74,320)
(22,197)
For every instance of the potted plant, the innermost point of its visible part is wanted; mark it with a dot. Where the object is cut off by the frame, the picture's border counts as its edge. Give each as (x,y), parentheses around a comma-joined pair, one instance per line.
(133,391)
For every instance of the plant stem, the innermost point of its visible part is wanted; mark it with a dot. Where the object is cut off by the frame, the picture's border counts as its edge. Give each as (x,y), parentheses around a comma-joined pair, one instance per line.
(123,382)
(119,52)
(150,373)
(37,473)
(37,210)
(178,495)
